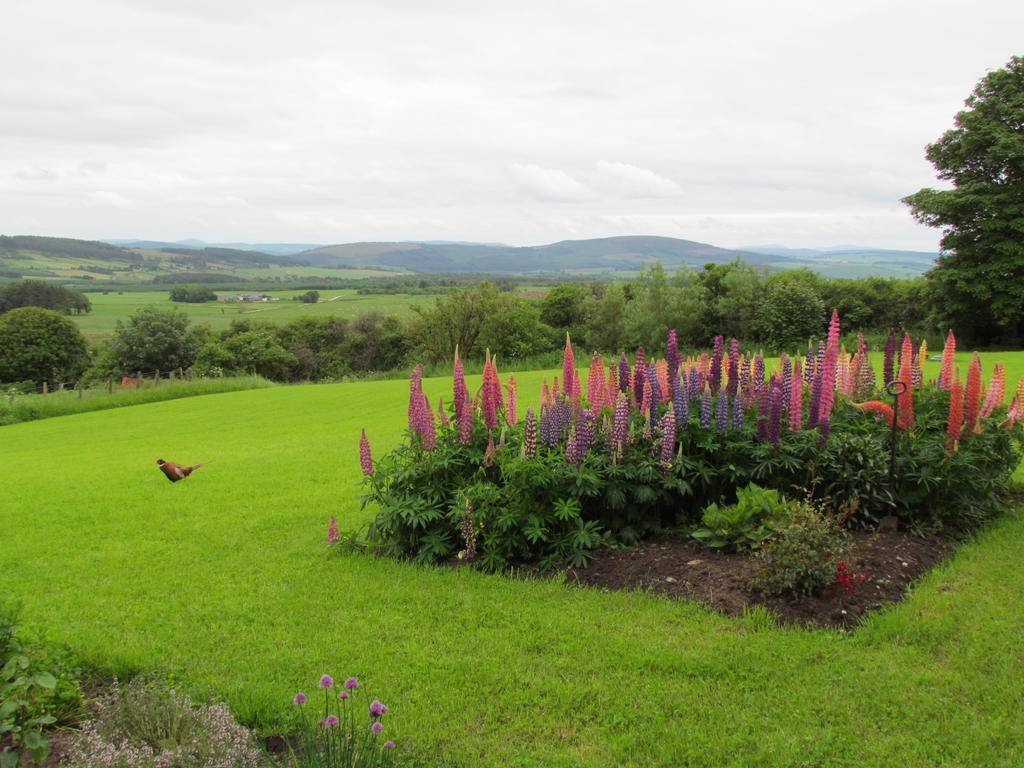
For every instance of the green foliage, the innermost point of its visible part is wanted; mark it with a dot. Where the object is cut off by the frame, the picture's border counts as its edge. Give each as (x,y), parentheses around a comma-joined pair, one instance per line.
(744,525)
(309,297)
(37,689)
(979,280)
(789,315)
(192,294)
(153,340)
(151,726)
(40,345)
(38,293)
(801,556)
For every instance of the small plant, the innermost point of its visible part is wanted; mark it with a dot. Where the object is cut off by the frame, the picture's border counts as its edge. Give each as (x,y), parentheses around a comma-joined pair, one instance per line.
(37,689)
(802,556)
(745,524)
(142,725)
(346,731)
(847,579)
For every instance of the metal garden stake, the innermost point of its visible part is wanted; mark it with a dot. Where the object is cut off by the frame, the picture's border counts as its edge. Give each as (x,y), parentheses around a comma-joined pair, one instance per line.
(894,388)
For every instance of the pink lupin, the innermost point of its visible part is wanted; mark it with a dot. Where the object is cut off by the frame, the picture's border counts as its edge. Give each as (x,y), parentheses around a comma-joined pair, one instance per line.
(365,456)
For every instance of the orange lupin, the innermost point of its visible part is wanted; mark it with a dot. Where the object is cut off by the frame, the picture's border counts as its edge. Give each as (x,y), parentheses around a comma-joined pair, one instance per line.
(878,408)
(973,395)
(956,414)
(946,376)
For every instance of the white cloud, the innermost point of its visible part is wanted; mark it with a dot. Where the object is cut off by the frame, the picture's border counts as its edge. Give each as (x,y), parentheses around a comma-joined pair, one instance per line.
(550,184)
(633,181)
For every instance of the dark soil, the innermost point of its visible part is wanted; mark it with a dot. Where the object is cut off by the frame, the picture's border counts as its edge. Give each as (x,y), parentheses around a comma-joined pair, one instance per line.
(890,561)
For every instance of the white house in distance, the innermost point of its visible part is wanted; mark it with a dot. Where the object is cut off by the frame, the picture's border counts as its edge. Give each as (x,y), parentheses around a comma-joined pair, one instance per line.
(248,297)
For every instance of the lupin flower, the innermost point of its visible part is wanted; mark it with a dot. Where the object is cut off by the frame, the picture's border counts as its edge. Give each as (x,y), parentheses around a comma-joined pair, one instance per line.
(624,373)
(973,404)
(828,375)
(889,365)
(955,422)
(705,409)
(680,406)
(738,411)
(814,405)
(722,411)
(905,414)
(568,367)
(572,449)
(775,412)
(996,391)
(530,435)
(763,415)
(661,377)
(946,375)
(734,367)
(442,414)
(652,381)
(612,390)
(586,431)
(693,385)
(757,372)
(668,440)
(466,422)
(915,372)
(490,453)
(922,355)
(365,456)
(415,396)
(865,384)
(672,357)
(1016,411)
(488,403)
(460,391)
(428,428)
(620,425)
(333,535)
(880,409)
(796,400)
(715,374)
(595,382)
(639,375)
(745,375)
(809,364)
(646,398)
(787,378)
(512,407)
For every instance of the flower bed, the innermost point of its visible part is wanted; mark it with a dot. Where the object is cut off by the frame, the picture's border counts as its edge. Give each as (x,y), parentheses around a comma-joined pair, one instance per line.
(642,448)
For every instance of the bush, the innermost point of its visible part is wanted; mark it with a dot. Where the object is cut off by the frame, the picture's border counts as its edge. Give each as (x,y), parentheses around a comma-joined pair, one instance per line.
(192,294)
(309,297)
(153,340)
(801,557)
(143,725)
(38,688)
(40,345)
(745,524)
(38,293)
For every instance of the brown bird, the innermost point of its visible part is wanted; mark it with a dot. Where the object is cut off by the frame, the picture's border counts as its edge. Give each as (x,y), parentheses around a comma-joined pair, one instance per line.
(175,472)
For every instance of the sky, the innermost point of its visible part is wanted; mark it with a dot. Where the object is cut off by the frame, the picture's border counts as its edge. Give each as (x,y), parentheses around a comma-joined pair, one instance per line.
(735,123)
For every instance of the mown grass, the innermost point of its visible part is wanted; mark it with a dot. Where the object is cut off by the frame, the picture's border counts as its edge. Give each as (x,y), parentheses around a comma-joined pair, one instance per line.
(16,408)
(225,581)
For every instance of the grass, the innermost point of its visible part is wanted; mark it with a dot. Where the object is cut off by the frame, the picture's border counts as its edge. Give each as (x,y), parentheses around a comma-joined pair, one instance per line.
(108,308)
(15,409)
(225,581)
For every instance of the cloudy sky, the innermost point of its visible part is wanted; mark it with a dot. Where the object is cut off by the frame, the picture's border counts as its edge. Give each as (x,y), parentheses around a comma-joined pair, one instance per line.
(735,123)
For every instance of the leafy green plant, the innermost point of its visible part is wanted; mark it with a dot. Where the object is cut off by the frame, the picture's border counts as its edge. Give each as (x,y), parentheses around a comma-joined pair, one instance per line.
(801,555)
(744,525)
(37,689)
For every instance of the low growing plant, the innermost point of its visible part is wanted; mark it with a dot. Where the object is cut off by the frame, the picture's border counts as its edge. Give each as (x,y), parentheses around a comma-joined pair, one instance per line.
(744,525)
(802,555)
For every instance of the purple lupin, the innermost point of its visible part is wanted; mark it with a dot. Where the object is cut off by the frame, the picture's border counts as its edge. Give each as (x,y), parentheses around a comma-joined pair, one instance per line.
(715,372)
(775,413)
(722,412)
(624,373)
(737,411)
(668,440)
(734,367)
(705,409)
(530,434)
(620,425)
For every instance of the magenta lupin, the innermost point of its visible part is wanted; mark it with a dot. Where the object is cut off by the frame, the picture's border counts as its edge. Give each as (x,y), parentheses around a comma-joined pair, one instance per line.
(734,367)
(466,422)
(668,440)
(624,373)
(365,455)
(715,373)
(460,391)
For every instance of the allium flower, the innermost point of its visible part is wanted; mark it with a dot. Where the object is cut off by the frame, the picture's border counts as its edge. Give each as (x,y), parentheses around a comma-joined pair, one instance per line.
(946,375)
(737,411)
(973,404)
(734,367)
(326,681)
(722,411)
(668,440)
(512,407)
(377,709)
(568,367)
(705,409)
(624,373)
(389,745)
(377,727)
(300,699)
(530,434)
(351,684)
(333,536)
(365,456)
(889,366)
(620,425)
(796,400)
(955,421)
(343,695)
(715,374)
(330,722)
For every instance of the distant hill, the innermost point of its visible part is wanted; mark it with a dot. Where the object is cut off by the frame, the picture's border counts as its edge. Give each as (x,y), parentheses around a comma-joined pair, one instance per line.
(613,254)
(857,262)
(274,249)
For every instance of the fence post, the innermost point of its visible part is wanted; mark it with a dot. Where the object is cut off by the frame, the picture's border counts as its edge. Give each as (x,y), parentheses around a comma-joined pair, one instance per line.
(190,373)
(181,373)
(46,388)
(110,385)
(81,390)
(156,378)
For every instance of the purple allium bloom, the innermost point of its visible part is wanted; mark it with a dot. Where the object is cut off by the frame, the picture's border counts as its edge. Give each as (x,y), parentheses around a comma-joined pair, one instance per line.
(530,434)
(668,440)
(715,374)
(377,709)
(343,695)
(389,745)
(624,373)
(326,681)
(377,727)
(620,426)
(351,684)
(300,698)
(722,412)
(737,411)
(734,367)
(330,722)
(705,409)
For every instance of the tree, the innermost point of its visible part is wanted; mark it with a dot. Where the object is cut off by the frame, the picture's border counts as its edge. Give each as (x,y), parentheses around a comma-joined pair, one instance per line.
(37,293)
(192,294)
(791,313)
(40,345)
(978,282)
(309,297)
(154,340)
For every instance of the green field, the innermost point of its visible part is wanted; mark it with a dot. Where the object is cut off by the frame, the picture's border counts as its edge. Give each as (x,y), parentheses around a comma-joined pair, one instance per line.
(225,581)
(108,308)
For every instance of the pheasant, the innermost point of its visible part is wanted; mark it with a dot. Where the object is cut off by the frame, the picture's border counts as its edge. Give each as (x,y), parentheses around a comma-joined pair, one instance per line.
(176,472)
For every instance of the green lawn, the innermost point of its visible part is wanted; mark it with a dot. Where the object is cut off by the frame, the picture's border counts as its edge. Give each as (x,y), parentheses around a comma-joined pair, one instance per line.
(108,308)
(225,581)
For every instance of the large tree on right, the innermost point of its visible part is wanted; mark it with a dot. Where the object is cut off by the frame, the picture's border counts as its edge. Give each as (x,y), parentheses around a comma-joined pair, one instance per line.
(978,281)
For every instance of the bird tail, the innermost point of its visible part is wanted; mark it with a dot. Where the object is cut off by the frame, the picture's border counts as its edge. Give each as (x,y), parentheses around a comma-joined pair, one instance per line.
(193,468)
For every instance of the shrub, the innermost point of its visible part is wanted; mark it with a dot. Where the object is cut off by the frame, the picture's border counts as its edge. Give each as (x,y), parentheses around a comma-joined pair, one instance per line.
(192,294)
(802,555)
(40,345)
(348,731)
(153,340)
(142,725)
(745,524)
(38,688)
